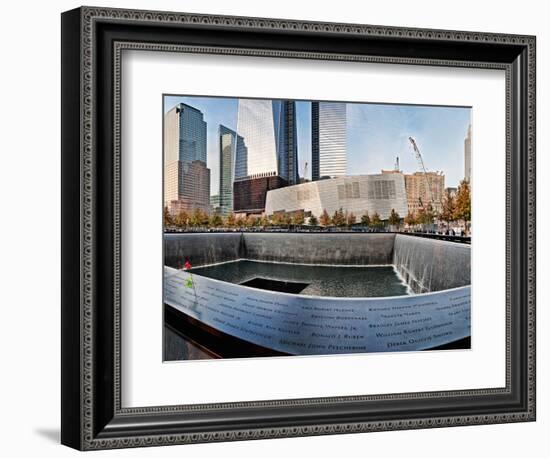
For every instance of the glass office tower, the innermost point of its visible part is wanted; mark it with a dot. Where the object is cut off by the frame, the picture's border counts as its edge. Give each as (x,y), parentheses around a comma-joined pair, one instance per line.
(186,177)
(328,140)
(228,147)
(266,151)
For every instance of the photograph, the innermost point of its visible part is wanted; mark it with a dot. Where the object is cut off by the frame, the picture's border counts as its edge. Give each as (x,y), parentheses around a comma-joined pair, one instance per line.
(281,222)
(314,227)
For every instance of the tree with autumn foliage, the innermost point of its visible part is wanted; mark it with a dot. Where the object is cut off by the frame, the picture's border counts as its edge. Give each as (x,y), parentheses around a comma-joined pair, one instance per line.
(240,222)
(298,218)
(325,219)
(351,219)
(410,219)
(463,209)
(339,219)
(230,221)
(182,219)
(168,221)
(250,221)
(448,208)
(278,219)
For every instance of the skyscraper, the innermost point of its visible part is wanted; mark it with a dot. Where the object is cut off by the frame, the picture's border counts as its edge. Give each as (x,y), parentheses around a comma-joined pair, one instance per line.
(228,147)
(266,151)
(328,140)
(468,155)
(186,177)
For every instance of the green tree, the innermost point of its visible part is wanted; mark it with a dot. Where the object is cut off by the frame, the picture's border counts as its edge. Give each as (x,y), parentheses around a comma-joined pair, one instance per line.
(463,209)
(394,218)
(376,221)
(448,208)
(215,220)
(425,215)
(168,221)
(313,221)
(198,218)
(351,219)
(325,219)
(264,221)
(365,219)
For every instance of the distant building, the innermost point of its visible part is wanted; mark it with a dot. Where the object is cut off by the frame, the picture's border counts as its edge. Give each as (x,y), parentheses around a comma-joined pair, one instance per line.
(184,135)
(468,155)
(250,195)
(215,207)
(186,177)
(328,140)
(193,182)
(452,190)
(418,194)
(228,147)
(358,194)
(266,151)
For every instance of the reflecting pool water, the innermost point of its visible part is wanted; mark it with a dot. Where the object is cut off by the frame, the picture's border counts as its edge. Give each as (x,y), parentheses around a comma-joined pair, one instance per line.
(334,281)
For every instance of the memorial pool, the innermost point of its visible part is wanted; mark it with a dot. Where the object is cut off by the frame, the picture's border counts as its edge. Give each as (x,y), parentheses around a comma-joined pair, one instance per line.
(314,280)
(274,294)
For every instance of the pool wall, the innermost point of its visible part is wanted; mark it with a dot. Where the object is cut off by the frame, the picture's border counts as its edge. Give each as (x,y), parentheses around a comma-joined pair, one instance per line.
(331,249)
(429,265)
(345,249)
(425,264)
(202,249)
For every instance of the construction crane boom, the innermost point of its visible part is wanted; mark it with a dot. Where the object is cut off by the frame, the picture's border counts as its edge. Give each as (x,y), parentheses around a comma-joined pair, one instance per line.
(423,169)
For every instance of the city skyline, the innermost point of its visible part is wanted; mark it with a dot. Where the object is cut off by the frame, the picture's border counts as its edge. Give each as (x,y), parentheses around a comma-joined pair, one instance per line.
(376,134)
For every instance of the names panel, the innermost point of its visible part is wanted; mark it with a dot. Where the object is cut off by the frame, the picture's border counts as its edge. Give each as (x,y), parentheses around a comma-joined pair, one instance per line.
(305,325)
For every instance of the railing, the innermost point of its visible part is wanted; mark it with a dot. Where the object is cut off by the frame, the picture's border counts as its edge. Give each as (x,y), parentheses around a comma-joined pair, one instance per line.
(318,229)
(449,238)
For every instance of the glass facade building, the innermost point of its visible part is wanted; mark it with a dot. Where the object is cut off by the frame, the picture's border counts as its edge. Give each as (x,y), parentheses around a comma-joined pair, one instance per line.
(228,147)
(266,153)
(328,140)
(186,177)
(269,140)
(185,134)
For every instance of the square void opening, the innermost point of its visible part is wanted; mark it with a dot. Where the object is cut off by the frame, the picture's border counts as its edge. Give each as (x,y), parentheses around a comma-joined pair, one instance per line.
(280,286)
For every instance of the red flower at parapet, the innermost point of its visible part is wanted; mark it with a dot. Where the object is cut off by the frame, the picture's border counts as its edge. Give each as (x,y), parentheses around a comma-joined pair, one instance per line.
(187,265)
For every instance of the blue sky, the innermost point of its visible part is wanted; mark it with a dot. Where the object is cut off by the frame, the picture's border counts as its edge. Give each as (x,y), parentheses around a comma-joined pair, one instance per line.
(376,135)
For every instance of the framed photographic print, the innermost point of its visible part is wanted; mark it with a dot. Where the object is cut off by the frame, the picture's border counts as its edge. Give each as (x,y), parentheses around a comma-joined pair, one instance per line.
(279,228)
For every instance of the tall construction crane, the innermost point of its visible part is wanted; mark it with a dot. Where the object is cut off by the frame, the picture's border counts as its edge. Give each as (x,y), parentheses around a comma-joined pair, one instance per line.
(423,169)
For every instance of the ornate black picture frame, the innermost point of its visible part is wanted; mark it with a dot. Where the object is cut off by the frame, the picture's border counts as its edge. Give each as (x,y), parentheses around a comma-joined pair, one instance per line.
(92,42)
